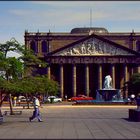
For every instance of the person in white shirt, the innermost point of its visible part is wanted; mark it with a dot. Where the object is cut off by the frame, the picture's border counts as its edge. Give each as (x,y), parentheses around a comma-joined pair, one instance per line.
(36,112)
(132,98)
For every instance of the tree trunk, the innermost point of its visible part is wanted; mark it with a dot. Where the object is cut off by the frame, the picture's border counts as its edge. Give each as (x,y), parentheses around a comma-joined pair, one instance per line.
(28,102)
(1,101)
(11,105)
(0,112)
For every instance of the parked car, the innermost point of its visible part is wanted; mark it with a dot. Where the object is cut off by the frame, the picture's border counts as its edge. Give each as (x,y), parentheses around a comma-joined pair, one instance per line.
(80,97)
(55,99)
(22,98)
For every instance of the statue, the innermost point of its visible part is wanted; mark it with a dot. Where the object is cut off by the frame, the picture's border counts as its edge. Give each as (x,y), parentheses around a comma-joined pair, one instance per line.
(108,93)
(108,82)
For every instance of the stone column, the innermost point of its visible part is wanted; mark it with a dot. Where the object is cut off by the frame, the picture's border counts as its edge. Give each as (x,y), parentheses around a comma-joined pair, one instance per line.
(134,45)
(61,81)
(138,69)
(39,48)
(125,73)
(74,80)
(126,79)
(113,75)
(49,72)
(131,71)
(87,79)
(27,43)
(100,76)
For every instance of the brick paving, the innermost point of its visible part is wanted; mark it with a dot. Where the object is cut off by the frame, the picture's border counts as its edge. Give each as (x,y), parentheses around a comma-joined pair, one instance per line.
(65,121)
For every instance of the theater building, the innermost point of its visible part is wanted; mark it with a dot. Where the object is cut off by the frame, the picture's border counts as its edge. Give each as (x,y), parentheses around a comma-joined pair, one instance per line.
(80,59)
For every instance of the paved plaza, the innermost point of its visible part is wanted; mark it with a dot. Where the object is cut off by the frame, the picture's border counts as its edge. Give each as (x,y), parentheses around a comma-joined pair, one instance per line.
(66,121)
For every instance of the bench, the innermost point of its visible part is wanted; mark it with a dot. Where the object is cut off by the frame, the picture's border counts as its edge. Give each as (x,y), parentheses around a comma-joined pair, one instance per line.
(26,106)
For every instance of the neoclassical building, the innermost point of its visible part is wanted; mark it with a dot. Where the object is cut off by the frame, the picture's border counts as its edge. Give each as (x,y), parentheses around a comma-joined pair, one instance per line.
(80,59)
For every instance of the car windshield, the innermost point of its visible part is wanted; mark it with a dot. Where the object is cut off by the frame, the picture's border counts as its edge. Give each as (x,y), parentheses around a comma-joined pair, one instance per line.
(81,95)
(21,97)
(51,97)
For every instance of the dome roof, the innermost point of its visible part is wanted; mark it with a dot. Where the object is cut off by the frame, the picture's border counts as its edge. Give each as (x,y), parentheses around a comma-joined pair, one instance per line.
(88,30)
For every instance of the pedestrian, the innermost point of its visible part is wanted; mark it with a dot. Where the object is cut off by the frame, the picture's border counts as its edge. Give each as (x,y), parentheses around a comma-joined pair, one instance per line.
(66,97)
(14,100)
(138,102)
(19,100)
(36,112)
(132,98)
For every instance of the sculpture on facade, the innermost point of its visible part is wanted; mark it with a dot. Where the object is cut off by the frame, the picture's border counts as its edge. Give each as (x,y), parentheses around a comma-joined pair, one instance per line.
(108,82)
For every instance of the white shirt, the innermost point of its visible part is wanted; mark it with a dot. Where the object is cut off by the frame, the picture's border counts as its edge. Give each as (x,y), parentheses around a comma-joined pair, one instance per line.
(132,96)
(36,103)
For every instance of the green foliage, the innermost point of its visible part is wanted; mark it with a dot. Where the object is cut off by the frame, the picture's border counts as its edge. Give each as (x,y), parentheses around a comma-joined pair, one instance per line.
(134,84)
(12,45)
(30,85)
(14,68)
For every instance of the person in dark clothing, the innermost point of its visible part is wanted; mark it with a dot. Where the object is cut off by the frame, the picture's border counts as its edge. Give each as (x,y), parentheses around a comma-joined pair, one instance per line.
(138,102)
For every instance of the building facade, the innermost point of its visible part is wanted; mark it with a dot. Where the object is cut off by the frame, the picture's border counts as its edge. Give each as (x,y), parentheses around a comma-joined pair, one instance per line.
(80,60)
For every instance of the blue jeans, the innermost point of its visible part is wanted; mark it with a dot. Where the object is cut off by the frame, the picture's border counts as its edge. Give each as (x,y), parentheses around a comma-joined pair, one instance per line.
(36,114)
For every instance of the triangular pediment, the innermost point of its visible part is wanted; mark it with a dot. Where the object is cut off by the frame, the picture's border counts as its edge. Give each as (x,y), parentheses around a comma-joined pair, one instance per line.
(94,46)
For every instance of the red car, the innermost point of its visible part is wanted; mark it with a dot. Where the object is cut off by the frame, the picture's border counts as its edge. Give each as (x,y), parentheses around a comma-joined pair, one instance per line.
(80,97)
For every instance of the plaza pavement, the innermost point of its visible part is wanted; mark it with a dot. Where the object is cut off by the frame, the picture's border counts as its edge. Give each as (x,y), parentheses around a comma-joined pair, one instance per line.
(66,121)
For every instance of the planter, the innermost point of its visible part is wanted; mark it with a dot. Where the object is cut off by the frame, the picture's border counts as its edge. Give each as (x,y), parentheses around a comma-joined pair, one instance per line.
(134,115)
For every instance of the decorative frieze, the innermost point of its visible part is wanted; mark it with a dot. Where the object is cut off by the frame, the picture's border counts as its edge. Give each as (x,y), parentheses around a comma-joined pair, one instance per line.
(92,47)
(90,60)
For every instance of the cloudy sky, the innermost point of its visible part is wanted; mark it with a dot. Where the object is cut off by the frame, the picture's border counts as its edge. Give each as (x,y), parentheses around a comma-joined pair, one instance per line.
(62,16)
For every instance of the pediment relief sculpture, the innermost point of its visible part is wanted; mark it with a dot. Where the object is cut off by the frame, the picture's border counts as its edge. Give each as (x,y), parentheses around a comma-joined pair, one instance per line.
(93,47)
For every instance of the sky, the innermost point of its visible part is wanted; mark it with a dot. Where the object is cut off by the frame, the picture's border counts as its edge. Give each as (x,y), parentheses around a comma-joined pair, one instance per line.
(63,16)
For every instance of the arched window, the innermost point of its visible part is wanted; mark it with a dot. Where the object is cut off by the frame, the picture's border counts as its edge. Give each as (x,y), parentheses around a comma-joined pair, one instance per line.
(33,46)
(44,47)
(138,46)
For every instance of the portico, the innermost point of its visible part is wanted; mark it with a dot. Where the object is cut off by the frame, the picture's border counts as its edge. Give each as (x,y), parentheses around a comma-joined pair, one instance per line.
(88,61)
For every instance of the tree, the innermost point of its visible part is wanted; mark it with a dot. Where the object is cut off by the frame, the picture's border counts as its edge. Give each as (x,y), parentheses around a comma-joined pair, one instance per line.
(134,84)
(10,66)
(2,94)
(13,68)
(12,45)
(18,72)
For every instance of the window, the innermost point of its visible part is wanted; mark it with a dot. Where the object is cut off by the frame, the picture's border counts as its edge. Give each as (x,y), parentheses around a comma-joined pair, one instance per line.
(44,46)
(33,46)
(138,46)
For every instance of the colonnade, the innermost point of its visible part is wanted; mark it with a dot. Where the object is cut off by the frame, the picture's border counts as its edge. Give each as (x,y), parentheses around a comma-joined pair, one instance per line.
(126,75)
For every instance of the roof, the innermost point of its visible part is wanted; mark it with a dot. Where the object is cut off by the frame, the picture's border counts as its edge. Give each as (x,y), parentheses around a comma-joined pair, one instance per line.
(89,30)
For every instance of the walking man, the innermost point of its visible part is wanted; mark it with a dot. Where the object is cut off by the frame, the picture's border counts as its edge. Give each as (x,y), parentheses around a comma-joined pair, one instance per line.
(36,112)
